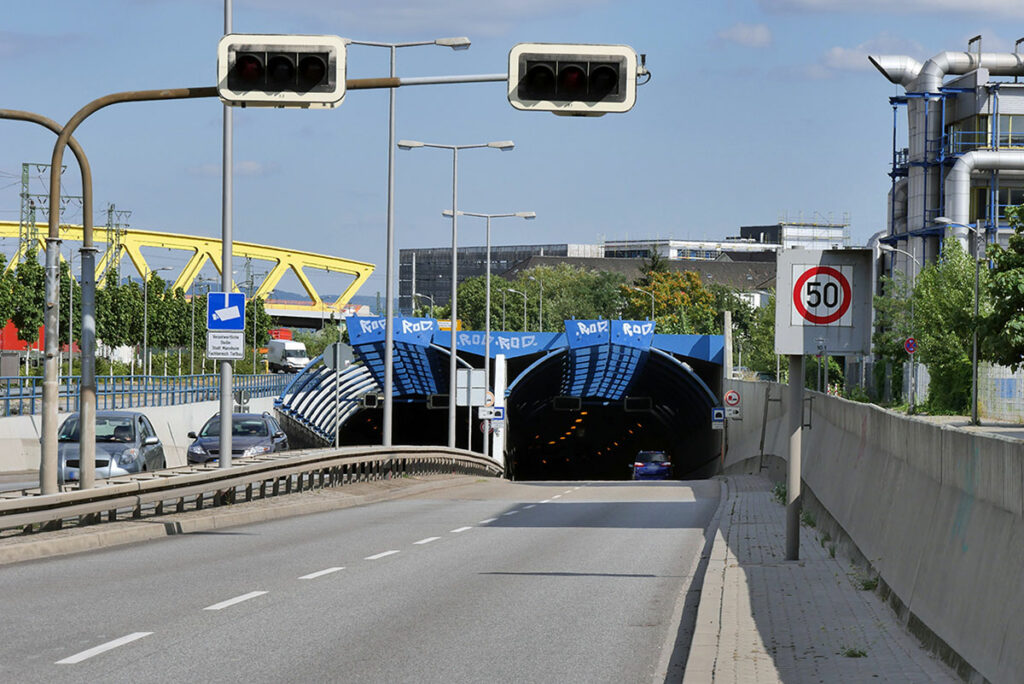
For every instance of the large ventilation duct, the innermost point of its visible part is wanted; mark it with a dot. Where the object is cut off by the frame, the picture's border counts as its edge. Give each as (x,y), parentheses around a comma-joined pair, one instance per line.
(925,121)
(958,183)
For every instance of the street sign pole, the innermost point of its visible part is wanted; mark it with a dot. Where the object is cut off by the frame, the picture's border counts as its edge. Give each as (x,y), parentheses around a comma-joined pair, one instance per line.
(796,422)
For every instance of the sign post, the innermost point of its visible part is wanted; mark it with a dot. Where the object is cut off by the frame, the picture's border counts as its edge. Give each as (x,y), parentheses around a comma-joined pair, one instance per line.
(225,340)
(824,298)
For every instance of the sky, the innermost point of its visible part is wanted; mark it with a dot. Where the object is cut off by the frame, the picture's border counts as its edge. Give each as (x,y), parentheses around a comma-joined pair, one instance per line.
(756,111)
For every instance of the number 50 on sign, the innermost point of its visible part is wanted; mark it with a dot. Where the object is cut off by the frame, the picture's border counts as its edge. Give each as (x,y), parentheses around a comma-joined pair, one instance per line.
(822,295)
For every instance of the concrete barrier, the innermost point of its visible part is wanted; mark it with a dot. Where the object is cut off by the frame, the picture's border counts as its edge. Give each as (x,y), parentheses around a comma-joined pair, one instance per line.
(19,435)
(936,511)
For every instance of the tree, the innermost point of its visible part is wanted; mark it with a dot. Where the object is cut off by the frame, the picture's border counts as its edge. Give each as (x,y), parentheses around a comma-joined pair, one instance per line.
(28,298)
(943,320)
(893,324)
(759,347)
(682,305)
(1003,329)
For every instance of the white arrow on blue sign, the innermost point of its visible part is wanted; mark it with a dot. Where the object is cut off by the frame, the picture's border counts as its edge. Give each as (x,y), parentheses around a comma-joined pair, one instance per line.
(225,311)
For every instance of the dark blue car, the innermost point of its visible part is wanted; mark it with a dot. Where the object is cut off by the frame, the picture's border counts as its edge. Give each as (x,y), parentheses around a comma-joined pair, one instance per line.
(652,465)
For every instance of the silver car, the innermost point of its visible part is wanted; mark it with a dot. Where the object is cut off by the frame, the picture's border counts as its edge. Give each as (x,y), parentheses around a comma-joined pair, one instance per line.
(125,443)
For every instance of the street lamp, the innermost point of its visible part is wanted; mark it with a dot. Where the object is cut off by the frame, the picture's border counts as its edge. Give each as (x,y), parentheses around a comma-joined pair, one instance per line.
(651,295)
(945,221)
(145,315)
(524,305)
(430,297)
(913,355)
(503,145)
(540,306)
(487,299)
(460,43)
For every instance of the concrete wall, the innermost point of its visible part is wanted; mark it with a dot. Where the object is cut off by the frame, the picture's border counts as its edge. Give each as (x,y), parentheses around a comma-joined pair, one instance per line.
(19,435)
(937,511)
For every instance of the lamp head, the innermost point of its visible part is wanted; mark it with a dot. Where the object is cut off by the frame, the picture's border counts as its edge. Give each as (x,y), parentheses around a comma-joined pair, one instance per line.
(528,215)
(409,144)
(460,43)
(502,145)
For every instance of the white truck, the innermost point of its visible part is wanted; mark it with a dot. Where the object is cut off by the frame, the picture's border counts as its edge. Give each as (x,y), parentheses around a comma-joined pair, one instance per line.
(286,356)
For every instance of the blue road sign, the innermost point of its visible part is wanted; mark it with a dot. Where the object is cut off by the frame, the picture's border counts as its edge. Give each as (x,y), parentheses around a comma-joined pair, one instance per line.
(717,417)
(225,311)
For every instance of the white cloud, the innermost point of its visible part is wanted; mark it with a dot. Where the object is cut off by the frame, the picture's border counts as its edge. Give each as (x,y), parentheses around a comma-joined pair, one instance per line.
(1008,8)
(748,35)
(841,58)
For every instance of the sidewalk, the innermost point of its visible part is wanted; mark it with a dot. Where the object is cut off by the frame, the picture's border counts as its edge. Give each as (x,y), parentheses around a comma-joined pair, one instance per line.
(764,619)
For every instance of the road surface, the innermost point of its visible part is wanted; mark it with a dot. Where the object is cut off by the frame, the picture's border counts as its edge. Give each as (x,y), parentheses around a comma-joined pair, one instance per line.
(489,581)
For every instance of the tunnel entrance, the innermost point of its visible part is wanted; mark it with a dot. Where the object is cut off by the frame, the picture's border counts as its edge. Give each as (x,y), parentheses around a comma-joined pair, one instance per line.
(668,409)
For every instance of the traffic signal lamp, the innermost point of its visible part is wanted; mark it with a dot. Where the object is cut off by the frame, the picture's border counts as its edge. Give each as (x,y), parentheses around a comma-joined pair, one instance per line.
(572,80)
(257,70)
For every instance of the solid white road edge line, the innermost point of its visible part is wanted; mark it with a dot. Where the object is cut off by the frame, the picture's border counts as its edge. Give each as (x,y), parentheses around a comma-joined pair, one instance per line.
(102,648)
(382,554)
(233,601)
(321,573)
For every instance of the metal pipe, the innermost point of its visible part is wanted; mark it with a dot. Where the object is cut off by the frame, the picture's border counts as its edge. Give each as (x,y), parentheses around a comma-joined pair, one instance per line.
(227,212)
(87,396)
(48,422)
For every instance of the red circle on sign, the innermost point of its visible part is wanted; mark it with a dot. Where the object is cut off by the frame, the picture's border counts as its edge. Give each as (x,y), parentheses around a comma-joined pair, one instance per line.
(910,345)
(732,398)
(798,301)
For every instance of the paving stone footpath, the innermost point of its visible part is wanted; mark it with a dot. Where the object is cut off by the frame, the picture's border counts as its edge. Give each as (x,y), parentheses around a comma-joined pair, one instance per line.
(764,619)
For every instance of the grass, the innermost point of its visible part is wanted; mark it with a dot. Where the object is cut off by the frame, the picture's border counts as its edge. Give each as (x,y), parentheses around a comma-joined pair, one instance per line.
(868,583)
(832,550)
(807,518)
(854,653)
(779,492)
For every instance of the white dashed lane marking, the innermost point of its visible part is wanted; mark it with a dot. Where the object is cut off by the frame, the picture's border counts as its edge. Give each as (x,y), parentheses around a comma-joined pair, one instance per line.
(510,513)
(489,520)
(382,554)
(320,573)
(102,648)
(427,540)
(233,601)
(460,529)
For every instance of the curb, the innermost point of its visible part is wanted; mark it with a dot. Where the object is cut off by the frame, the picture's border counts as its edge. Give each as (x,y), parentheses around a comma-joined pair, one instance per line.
(104,535)
(700,665)
(671,668)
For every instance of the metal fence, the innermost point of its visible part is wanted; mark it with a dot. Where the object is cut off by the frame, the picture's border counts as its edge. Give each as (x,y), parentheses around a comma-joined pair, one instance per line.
(23,395)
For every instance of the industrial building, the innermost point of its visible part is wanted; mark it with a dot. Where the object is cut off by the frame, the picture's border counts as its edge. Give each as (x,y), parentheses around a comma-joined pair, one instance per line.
(962,161)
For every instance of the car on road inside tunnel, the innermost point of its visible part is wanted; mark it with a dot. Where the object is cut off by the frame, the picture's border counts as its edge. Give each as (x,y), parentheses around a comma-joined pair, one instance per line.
(652,465)
(125,443)
(252,434)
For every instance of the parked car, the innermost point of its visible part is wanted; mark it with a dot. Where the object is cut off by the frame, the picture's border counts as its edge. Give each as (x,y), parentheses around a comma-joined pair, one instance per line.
(252,434)
(652,465)
(125,443)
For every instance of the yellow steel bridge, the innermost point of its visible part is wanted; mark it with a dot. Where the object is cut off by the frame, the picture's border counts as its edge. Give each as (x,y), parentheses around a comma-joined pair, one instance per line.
(197,251)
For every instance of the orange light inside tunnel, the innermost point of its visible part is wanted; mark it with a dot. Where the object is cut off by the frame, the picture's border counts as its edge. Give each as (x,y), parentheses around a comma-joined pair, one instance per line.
(578,420)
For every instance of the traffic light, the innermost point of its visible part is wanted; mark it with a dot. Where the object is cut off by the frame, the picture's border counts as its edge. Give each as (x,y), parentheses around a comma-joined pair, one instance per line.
(572,80)
(258,70)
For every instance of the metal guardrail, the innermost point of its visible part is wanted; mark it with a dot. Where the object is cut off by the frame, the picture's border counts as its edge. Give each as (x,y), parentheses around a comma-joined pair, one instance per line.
(132,496)
(24,395)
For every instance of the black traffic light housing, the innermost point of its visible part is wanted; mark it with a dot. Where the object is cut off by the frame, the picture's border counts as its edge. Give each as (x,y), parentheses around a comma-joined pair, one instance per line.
(572,79)
(259,70)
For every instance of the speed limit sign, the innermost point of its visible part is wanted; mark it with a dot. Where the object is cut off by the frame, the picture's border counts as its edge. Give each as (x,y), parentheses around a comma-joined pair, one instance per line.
(822,294)
(823,301)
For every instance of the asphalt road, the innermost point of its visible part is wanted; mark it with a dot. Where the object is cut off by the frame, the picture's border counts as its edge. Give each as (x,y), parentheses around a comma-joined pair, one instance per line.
(487,582)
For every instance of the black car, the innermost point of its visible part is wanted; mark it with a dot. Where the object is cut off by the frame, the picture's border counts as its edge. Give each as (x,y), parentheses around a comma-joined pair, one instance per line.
(252,434)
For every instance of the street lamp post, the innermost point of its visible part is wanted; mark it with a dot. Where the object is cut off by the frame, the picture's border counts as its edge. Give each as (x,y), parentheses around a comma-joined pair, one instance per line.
(389,259)
(145,316)
(503,145)
(649,294)
(944,221)
(487,301)
(430,297)
(913,355)
(524,305)
(540,305)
